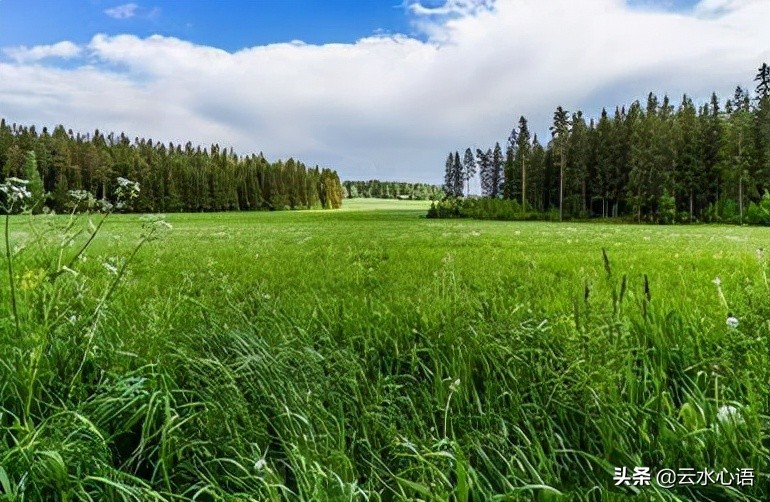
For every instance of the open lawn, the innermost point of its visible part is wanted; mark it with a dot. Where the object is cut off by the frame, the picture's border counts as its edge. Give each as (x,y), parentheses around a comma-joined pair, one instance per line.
(372,354)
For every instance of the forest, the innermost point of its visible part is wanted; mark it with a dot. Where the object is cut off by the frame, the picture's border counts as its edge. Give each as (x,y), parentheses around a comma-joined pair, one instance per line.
(655,162)
(376,189)
(173,178)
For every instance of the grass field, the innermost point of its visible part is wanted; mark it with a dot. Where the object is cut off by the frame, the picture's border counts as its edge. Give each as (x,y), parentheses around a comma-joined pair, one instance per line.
(372,354)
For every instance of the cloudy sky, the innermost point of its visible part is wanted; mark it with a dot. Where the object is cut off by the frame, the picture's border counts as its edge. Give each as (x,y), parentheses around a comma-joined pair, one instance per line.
(376,88)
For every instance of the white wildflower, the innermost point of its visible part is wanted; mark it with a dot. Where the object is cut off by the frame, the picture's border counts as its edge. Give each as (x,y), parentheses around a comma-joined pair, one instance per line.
(454,386)
(104,205)
(717,281)
(15,190)
(111,268)
(728,414)
(260,464)
(125,192)
(79,195)
(732,322)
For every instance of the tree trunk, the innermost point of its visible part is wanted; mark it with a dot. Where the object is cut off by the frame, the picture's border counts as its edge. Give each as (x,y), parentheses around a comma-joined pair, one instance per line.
(691,205)
(561,188)
(523,185)
(740,199)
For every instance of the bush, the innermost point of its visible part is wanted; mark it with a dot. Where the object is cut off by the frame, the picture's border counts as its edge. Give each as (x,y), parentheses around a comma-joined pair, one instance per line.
(449,207)
(666,209)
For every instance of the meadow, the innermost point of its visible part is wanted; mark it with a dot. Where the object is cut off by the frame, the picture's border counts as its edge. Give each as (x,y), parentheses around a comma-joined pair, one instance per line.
(372,354)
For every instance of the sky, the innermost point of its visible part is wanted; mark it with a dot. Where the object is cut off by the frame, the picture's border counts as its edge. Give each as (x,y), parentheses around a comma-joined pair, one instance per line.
(372,88)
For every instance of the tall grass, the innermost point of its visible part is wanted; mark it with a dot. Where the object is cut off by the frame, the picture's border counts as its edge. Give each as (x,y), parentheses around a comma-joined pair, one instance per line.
(337,358)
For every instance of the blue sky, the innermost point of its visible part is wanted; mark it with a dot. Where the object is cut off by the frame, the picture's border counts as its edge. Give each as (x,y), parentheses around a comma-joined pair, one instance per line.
(380,88)
(226,24)
(230,25)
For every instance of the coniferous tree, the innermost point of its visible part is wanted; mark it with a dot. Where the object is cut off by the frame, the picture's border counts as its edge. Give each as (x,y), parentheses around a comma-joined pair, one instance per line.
(763,122)
(457,176)
(510,185)
(577,164)
(449,175)
(560,133)
(498,177)
(469,169)
(484,162)
(536,175)
(522,159)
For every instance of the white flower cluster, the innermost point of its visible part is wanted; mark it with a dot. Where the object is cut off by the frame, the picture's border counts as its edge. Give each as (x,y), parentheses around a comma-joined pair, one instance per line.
(126,191)
(15,190)
(80,195)
(104,205)
(729,414)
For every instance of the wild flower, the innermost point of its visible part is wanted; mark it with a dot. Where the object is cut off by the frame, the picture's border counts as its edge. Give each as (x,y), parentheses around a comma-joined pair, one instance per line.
(81,200)
(125,192)
(732,322)
(15,190)
(31,279)
(111,268)
(104,205)
(728,414)
(79,195)
(722,298)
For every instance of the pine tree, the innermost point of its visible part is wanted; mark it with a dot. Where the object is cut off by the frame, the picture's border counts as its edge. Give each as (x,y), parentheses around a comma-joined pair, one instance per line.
(469,169)
(497,175)
(560,133)
(457,176)
(689,175)
(536,175)
(577,164)
(510,185)
(484,162)
(522,158)
(763,122)
(449,175)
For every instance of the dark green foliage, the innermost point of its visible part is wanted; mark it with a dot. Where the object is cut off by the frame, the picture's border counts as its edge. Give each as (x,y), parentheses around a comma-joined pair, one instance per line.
(713,161)
(376,189)
(172,178)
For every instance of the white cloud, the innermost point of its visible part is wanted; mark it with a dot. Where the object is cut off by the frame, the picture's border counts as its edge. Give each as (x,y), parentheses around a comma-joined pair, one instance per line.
(24,54)
(451,7)
(124,11)
(391,107)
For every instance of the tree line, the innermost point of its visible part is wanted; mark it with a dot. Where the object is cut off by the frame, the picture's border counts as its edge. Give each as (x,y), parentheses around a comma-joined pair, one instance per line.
(654,162)
(173,178)
(391,190)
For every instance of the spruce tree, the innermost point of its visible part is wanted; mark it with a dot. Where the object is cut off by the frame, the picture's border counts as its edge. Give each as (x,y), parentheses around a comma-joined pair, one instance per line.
(522,158)
(457,176)
(560,133)
(449,175)
(469,169)
(497,175)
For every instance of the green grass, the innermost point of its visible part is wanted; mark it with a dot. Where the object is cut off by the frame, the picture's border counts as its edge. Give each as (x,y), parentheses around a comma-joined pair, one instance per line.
(372,354)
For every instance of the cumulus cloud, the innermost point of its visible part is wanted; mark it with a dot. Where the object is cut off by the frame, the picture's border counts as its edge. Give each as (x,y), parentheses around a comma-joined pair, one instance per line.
(23,54)
(124,11)
(391,107)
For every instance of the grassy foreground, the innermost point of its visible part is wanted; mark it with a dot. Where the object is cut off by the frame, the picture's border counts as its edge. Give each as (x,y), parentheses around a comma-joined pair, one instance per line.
(371,354)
